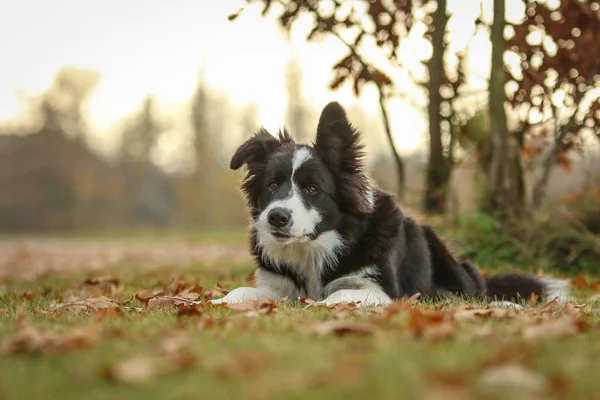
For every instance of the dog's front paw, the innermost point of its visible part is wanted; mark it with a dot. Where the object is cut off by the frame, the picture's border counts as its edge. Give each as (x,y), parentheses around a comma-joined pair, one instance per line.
(361,297)
(240,295)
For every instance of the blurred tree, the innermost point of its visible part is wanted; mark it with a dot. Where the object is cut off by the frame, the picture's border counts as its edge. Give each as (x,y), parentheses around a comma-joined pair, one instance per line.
(61,107)
(200,110)
(501,186)
(556,86)
(383,23)
(298,115)
(439,166)
(49,177)
(149,188)
(353,68)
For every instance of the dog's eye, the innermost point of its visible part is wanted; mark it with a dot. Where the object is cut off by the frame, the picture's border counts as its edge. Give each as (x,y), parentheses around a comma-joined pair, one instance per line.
(273,186)
(311,189)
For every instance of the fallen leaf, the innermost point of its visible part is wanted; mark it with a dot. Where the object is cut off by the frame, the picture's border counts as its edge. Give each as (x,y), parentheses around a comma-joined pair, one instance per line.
(213,294)
(264,306)
(444,393)
(105,285)
(135,370)
(474,314)
(243,363)
(557,328)
(430,325)
(446,378)
(171,357)
(87,305)
(572,309)
(158,301)
(550,306)
(310,302)
(33,340)
(342,328)
(185,310)
(513,376)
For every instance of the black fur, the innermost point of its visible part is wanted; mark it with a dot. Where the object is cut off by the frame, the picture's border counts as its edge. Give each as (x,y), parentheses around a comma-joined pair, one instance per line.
(404,256)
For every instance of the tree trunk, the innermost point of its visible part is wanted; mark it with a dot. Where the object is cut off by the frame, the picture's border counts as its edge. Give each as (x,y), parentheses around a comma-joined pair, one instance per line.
(499,172)
(388,131)
(438,170)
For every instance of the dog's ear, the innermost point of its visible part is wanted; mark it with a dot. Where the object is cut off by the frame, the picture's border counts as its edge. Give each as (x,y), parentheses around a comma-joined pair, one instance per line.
(257,149)
(338,144)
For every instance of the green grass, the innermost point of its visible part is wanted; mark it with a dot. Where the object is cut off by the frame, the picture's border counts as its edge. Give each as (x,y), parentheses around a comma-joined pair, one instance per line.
(277,355)
(225,235)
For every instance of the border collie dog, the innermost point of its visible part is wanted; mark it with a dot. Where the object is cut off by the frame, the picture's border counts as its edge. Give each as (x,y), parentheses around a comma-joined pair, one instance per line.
(322,230)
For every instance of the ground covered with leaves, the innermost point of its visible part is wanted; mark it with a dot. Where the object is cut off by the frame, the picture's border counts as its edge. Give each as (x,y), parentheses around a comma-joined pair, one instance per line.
(139,326)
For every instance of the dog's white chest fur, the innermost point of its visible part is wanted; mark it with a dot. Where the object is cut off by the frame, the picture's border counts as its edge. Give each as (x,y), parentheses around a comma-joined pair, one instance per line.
(306,259)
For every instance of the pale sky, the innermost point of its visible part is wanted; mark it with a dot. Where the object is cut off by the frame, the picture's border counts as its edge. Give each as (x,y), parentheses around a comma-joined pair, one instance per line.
(159,47)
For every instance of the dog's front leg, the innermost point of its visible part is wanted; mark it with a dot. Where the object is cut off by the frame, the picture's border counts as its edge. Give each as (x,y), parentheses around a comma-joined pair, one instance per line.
(268,284)
(356,288)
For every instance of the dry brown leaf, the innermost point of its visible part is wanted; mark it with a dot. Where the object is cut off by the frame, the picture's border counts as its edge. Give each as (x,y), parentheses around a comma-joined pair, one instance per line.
(135,370)
(310,302)
(551,306)
(87,305)
(243,363)
(342,328)
(474,314)
(186,310)
(479,332)
(264,306)
(33,340)
(158,301)
(162,301)
(104,285)
(446,378)
(444,393)
(572,309)
(342,308)
(513,376)
(213,294)
(557,328)
(171,358)
(431,324)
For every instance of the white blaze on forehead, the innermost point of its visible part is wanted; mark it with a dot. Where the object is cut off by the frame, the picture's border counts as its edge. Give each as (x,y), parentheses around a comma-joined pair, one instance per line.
(304,220)
(300,157)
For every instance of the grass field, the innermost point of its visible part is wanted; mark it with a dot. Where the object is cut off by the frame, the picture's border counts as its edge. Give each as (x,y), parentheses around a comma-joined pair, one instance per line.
(137,329)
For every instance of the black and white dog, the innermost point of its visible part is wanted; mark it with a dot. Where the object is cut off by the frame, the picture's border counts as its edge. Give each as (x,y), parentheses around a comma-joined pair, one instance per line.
(321,230)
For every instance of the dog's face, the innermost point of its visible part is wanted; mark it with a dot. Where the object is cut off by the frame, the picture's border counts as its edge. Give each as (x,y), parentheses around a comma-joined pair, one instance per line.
(297,192)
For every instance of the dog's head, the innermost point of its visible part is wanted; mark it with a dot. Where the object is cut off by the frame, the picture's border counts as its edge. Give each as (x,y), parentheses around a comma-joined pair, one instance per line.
(297,192)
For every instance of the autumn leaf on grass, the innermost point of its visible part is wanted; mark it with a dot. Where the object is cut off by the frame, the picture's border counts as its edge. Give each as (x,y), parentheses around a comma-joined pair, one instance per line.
(87,305)
(512,376)
(483,314)
(343,328)
(581,282)
(264,306)
(172,356)
(557,328)
(348,371)
(431,324)
(104,285)
(31,339)
(243,363)
(401,305)
(166,301)
(311,303)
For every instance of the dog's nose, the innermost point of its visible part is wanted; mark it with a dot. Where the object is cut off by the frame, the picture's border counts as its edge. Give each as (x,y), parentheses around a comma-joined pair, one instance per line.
(279,217)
